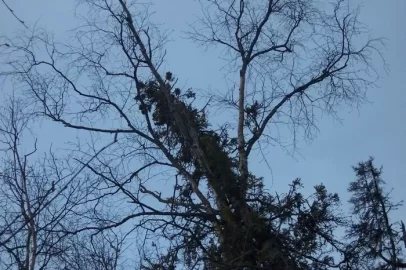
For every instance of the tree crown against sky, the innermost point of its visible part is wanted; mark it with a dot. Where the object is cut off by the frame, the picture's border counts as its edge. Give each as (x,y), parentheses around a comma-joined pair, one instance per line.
(292,60)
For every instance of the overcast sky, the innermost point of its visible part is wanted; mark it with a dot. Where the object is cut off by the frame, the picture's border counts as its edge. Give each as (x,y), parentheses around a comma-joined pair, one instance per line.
(377,129)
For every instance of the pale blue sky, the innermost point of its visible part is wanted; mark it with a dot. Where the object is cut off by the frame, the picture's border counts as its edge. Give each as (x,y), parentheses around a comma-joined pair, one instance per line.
(378,129)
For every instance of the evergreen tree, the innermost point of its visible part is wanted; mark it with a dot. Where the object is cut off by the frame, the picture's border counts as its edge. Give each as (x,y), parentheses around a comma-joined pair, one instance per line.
(375,240)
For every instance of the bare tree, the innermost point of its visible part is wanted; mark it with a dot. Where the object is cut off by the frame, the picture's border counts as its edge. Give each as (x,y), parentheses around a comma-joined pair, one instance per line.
(26,194)
(214,213)
(294,58)
(100,251)
(37,198)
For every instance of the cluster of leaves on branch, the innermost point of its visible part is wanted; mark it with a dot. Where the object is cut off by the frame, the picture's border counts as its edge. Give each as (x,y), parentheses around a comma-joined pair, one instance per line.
(276,231)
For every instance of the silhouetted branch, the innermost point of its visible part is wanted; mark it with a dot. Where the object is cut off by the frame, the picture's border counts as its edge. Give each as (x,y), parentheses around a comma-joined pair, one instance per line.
(13,13)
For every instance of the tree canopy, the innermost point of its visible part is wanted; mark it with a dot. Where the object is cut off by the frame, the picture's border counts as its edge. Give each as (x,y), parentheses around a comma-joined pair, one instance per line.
(154,181)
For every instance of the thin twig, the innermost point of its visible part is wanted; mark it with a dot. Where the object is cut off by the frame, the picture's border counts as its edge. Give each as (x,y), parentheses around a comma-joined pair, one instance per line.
(15,16)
